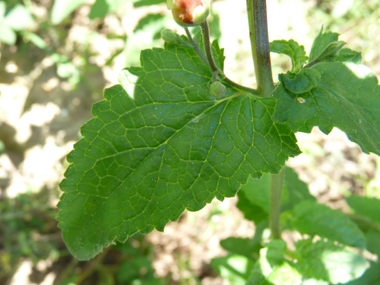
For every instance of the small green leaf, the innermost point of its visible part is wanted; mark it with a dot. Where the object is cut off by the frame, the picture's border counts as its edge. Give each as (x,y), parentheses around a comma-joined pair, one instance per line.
(292,49)
(234,268)
(329,54)
(347,97)
(328,262)
(323,48)
(102,7)
(302,82)
(347,55)
(369,207)
(62,8)
(272,268)
(321,42)
(159,144)
(316,219)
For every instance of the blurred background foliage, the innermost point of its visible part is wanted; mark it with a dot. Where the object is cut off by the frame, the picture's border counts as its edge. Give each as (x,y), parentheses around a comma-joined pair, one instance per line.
(56,58)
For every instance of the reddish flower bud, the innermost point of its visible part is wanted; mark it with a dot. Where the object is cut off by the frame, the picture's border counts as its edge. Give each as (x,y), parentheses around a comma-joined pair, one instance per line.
(189,12)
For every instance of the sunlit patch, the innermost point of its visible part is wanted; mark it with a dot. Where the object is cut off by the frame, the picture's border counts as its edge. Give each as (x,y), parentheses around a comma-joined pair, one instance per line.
(301,100)
(360,70)
(128,81)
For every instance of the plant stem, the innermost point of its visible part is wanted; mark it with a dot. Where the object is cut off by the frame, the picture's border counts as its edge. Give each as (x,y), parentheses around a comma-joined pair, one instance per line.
(276,198)
(258,31)
(196,47)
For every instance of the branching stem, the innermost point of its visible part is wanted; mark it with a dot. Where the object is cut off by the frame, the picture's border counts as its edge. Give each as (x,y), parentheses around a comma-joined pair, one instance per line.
(209,59)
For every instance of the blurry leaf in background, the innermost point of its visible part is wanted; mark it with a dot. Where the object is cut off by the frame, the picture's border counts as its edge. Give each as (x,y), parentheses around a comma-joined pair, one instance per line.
(272,268)
(148,2)
(257,191)
(297,190)
(17,19)
(234,268)
(329,262)
(148,21)
(102,7)
(316,219)
(241,246)
(36,40)
(2,147)
(369,207)
(62,8)
(254,197)
(251,212)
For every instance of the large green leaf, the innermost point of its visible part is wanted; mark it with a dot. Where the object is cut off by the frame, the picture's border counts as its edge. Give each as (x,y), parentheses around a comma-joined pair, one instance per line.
(347,97)
(160,144)
(369,207)
(316,219)
(326,261)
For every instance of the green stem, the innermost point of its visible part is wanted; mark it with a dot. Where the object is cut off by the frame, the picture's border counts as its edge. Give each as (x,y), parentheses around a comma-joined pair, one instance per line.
(196,47)
(258,31)
(276,198)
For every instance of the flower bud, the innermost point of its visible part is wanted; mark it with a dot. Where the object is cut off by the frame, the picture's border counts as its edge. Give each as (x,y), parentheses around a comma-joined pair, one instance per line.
(217,89)
(169,36)
(189,12)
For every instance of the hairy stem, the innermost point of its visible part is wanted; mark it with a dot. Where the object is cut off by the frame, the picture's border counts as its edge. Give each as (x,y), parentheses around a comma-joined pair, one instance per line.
(275,205)
(258,31)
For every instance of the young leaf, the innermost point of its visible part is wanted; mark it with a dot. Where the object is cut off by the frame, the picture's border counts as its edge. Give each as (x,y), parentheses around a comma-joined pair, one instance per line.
(292,49)
(326,261)
(302,82)
(321,45)
(272,268)
(369,207)
(316,219)
(321,42)
(347,97)
(160,144)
